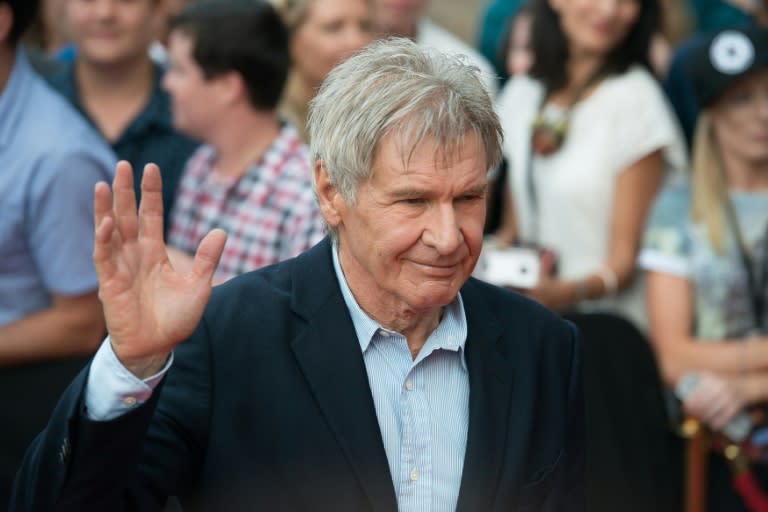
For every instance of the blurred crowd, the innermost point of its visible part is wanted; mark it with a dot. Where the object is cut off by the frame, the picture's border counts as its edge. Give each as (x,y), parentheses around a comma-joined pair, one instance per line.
(635,170)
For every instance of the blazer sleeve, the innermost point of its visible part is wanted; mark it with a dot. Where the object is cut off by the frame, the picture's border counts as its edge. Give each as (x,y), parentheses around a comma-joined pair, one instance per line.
(572,495)
(563,487)
(133,462)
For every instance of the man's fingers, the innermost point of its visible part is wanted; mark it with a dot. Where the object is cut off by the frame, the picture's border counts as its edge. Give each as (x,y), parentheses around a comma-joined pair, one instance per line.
(151,207)
(103,248)
(125,201)
(209,253)
(102,203)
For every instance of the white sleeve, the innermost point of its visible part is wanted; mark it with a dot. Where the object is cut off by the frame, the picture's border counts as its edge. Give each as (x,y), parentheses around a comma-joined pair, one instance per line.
(644,123)
(112,390)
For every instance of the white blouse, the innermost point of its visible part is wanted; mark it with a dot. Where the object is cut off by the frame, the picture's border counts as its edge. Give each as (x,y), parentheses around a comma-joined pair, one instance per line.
(626,118)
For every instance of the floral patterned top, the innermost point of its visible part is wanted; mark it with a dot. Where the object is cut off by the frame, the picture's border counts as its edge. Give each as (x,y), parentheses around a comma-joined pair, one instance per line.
(674,244)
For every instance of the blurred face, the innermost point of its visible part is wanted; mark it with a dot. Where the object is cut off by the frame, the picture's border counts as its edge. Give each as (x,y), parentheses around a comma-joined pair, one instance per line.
(740,119)
(413,236)
(399,17)
(194,100)
(596,27)
(332,31)
(111,31)
(520,55)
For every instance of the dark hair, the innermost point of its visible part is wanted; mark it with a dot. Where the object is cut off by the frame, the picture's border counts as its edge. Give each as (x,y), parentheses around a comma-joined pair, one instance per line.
(503,46)
(246,36)
(24,12)
(550,44)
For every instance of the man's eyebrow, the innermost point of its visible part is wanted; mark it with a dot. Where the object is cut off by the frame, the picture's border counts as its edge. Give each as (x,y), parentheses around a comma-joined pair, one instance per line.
(410,192)
(477,189)
(426,192)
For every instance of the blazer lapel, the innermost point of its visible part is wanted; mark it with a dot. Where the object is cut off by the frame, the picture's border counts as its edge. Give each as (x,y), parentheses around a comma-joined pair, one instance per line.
(329,355)
(490,388)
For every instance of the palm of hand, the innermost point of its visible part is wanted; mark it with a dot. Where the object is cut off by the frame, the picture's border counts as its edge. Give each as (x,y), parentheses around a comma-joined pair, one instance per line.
(149,307)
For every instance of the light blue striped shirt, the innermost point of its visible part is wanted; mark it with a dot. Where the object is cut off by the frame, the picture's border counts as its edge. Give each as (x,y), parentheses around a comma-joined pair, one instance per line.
(422,404)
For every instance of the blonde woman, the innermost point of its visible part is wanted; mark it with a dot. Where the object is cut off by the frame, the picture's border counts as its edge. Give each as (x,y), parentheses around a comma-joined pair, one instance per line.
(323,33)
(706,247)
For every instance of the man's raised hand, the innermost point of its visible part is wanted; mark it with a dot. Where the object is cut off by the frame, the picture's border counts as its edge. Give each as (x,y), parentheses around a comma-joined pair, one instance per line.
(149,307)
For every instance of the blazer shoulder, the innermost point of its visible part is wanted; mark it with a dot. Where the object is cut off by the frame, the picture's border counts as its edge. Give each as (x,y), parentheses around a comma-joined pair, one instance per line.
(512,309)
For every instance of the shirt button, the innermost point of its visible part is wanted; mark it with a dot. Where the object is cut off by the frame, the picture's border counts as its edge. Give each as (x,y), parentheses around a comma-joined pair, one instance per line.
(384,333)
(414,475)
(409,385)
(129,400)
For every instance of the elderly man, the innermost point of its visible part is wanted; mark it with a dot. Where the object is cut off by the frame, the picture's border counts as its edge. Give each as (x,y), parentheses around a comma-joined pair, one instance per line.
(369,373)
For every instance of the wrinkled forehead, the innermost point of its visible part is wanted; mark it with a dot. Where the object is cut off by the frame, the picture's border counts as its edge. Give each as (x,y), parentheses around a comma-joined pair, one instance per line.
(400,146)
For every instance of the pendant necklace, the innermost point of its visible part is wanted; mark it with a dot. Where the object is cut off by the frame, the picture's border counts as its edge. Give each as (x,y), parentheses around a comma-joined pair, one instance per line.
(548,134)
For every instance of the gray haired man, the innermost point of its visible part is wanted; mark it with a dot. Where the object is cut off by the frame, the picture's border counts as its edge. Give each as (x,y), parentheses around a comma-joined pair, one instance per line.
(370,373)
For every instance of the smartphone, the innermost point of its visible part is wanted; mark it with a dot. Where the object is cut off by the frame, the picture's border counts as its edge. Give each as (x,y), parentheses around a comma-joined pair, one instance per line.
(517,267)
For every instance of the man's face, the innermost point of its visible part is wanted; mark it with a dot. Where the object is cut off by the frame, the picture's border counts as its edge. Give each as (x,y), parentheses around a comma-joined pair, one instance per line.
(414,234)
(193,98)
(112,31)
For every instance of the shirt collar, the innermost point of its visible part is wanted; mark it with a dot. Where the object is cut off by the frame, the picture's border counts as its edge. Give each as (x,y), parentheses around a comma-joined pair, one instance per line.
(452,330)
(157,111)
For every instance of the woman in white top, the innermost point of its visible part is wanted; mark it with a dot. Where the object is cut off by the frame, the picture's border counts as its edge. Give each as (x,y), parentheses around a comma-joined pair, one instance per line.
(589,138)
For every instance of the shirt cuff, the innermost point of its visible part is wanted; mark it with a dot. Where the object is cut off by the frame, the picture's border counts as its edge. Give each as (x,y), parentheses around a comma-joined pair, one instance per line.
(112,390)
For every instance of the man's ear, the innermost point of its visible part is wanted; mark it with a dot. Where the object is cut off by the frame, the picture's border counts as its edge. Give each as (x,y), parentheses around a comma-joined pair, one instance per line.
(231,87)
(332,203)
(6,22)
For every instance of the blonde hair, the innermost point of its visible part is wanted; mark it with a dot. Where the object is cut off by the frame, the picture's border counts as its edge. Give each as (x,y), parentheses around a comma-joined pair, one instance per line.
(709,189)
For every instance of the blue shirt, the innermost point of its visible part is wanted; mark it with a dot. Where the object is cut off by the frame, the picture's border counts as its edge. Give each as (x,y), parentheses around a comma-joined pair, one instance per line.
(50,160)
(422,404)
(150,137)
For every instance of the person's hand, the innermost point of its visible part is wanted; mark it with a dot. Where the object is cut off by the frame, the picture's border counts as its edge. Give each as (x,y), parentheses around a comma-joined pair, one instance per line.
(503,237)
(549,290)
(181,261)
(149,307)
(714,401)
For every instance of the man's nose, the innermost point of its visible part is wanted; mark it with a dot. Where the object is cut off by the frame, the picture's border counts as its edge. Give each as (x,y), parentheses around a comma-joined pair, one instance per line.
(443,231)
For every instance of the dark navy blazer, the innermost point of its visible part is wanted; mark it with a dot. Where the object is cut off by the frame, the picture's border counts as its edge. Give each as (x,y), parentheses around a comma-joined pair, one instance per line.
(267,407)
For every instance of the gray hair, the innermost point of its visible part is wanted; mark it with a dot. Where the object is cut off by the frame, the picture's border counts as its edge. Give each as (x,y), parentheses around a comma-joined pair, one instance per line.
(395,86)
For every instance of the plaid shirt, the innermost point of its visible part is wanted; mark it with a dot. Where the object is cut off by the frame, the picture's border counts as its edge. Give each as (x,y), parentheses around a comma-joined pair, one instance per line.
(270,213)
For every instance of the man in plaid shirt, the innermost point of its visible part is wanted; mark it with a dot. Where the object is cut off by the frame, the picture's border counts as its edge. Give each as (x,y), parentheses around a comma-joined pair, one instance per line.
(252,176)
